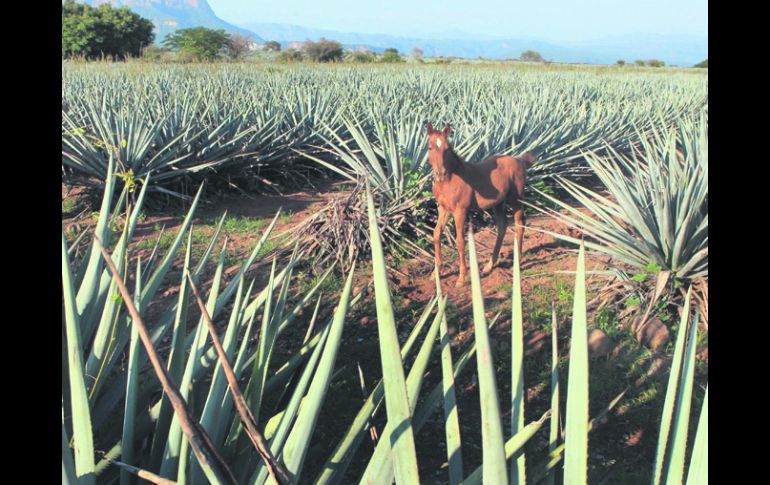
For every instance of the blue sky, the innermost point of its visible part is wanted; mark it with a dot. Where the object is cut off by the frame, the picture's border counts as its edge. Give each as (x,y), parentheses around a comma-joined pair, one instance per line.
(559,20)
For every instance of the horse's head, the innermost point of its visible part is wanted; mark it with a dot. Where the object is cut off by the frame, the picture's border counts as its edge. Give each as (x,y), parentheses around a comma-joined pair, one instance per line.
(437,147)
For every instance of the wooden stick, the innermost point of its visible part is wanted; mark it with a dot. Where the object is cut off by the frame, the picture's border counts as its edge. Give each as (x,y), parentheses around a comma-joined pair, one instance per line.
(143,474)
(199,440)
(274,467)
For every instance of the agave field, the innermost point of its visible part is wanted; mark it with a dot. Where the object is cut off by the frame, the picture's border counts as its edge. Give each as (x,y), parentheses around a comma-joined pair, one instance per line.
(302,360)
(185,124)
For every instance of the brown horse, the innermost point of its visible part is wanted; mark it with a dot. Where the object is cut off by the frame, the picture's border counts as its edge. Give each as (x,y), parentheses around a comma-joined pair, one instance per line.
(459,187)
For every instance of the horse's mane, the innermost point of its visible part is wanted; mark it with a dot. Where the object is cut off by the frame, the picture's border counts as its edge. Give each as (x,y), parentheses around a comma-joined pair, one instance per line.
(452,161)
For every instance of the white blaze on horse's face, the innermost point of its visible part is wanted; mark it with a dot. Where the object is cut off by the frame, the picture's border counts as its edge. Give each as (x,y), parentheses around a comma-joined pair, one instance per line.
(437,145)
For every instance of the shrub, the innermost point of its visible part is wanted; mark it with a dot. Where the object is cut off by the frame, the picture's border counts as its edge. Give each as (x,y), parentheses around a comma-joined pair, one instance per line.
(323,51)
(291,55)
(655,63)
(392,55)
(363,57)
(154,53)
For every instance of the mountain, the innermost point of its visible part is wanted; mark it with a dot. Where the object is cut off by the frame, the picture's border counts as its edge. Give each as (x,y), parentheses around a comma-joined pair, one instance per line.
(170,15)
(673,49)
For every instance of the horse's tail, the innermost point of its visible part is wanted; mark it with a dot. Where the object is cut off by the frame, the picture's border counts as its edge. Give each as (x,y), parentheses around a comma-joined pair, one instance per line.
(528,158)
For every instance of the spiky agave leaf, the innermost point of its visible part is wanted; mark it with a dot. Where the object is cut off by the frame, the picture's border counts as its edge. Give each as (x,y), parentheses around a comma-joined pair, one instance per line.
(576,429)
(451,419)
(518,470)
(493,444)
(380,468)
(553,437)
(298,441)
(396,400)
(699,460)
(335,466)
(82,434)
(668,405)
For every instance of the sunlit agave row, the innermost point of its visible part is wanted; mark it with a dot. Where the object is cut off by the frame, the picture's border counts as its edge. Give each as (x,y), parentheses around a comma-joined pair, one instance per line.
(662,207)
(184,122)
(104,407)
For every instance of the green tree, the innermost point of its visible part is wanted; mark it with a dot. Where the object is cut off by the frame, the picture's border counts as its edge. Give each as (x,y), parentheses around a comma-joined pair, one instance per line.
(272,45)
(154,53)
(531,56)
(323,51)
(655,63)
(703,64)
(391,55)
(199,43)
(103,31)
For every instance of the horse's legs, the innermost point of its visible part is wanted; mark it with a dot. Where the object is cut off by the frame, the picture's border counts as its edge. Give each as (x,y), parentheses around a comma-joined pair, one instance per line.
(502,224)
(460,215)
(443,217)
(520,218)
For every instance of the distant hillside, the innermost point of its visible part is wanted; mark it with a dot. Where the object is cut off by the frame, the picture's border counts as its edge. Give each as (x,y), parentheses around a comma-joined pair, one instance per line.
(674,50)
(170,15)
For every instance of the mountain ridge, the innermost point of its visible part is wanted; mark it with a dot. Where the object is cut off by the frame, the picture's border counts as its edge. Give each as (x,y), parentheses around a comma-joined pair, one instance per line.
(170,15)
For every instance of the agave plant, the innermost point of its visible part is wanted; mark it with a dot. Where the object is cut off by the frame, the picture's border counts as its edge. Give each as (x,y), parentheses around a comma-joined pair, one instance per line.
(221,424)
(149,439)
(672,446)
(655,211)
(394,164)
(98,331)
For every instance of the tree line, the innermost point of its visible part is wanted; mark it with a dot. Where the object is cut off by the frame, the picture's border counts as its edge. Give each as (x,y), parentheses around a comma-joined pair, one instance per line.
(118,33)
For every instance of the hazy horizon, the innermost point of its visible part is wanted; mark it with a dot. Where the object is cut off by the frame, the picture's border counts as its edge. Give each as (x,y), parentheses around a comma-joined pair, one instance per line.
(558,21)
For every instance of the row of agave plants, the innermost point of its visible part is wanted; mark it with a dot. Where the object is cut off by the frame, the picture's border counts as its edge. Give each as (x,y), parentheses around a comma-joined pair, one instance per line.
(265,124)
(211,422)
